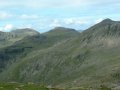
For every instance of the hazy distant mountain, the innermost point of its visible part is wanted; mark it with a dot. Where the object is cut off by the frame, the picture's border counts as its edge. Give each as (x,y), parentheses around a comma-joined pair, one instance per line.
(8,38)
(64,57)
(25,31)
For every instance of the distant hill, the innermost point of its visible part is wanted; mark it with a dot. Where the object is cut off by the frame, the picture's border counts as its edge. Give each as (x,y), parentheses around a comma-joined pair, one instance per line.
(25,32)
(8,38)
(63,57)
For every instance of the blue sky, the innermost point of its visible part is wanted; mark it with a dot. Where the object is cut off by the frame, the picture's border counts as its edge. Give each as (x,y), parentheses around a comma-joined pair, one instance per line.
(44,15)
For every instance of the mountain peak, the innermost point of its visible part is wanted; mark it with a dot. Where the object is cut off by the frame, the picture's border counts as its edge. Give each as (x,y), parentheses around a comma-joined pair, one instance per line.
(61,28)
(23,29)
(106,28)
(107,20)
(26,31)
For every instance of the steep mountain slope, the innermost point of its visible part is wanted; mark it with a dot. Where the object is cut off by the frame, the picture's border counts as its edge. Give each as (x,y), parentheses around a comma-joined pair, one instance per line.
(5,38)
(9,49)
(30,43)
(88,59)
(104,28)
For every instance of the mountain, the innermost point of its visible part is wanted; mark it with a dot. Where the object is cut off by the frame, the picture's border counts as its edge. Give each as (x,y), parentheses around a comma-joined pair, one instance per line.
(29,43)
(59,34)
(8,38)
(25,31)
(105,28)
(63,57)
(5,38)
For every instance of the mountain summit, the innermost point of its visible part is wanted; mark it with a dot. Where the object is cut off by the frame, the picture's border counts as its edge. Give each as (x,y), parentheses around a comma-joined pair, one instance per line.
(107,20)
(105,28)
(25,32)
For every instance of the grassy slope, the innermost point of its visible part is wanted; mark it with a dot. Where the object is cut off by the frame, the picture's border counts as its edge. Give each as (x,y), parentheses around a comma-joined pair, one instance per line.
(31,86)
(9,48)
(18,86)
(31,43)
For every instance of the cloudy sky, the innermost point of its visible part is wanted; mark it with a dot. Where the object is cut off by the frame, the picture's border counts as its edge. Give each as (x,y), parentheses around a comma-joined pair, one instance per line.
(43,15)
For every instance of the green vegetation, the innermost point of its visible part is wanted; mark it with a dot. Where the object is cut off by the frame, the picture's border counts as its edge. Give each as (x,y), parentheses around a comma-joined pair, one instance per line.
(9,38)
(65,58)
(16,86)
(31,86)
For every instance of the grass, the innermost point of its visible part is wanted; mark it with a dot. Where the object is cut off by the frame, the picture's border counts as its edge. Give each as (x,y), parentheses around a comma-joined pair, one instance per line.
(17,86)
(31,86)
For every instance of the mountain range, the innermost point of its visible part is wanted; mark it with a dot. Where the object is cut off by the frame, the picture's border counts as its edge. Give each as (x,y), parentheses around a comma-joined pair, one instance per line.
(63,57)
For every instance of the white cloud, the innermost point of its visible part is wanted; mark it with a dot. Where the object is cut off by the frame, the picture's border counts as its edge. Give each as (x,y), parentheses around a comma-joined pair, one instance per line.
(50,3)
(67,22)
(25,26)
(44,3)
(55,23)
(25,16)
(75,21)
(99,20)
(5,15)
(6,28)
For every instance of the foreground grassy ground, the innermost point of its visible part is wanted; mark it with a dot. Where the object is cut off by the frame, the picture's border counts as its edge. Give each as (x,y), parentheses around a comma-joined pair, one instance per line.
(18,86)
(14,86)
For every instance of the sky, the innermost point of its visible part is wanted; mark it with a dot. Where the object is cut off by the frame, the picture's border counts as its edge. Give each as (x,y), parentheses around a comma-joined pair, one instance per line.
(43,15)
